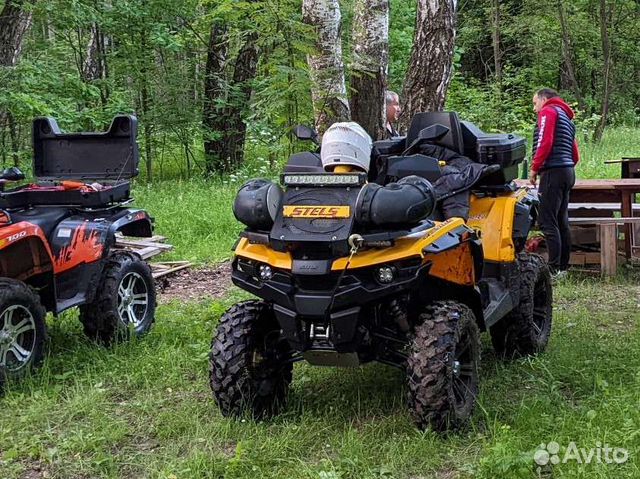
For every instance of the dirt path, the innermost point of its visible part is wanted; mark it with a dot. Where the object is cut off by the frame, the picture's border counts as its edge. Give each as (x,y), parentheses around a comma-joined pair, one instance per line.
(196,283)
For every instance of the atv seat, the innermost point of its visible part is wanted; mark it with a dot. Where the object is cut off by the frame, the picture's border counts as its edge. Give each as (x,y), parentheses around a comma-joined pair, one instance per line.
(46,218)
(304,162)
(505,150)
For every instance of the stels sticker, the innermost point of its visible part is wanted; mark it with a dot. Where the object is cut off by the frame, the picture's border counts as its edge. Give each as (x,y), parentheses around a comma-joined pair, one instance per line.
(291,211)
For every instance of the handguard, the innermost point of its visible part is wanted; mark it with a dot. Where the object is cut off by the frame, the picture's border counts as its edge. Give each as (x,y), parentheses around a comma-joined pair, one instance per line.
(408,201)
(257,203)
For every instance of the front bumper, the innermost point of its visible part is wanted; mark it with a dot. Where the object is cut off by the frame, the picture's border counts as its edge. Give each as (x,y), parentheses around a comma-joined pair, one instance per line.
(303,303)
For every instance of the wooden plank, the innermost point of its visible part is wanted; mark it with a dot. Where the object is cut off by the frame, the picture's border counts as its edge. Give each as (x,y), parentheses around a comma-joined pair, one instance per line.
(159,269)
(596,196)
(584,234)
(148,252)
(608,250)
(154,238)
(607,184)
(605,220)
(583,258)
(600,206)
(144,244)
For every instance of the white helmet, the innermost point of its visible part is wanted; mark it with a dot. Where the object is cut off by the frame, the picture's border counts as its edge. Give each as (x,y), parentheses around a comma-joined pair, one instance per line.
(346,144)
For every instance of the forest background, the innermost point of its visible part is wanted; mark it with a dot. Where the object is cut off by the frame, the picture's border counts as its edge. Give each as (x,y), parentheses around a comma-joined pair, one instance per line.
(167,61)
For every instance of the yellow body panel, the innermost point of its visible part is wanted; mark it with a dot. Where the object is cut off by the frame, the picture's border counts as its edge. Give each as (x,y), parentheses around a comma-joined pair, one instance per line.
(403,249)
(454,265)
(493,218)
(263,253)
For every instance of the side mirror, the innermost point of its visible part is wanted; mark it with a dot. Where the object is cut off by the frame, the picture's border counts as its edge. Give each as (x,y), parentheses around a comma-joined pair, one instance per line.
(303,132)
(12,174)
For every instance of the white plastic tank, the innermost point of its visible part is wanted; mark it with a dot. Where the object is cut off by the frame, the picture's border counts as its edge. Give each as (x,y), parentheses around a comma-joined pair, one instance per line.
(346,143)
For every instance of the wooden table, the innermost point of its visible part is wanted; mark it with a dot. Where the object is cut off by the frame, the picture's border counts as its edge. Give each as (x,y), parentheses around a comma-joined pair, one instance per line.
(622,191)
(629,167)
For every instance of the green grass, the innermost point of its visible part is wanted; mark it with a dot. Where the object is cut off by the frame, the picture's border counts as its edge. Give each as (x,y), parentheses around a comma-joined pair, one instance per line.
(144,409)
(616,143)
(194,215)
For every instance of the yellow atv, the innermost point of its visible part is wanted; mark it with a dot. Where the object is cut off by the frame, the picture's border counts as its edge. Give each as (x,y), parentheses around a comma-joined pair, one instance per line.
(351,271)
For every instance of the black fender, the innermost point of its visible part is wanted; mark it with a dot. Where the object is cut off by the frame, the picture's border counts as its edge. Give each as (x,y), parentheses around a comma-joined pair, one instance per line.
(132,222)
(525,217)
(101,229)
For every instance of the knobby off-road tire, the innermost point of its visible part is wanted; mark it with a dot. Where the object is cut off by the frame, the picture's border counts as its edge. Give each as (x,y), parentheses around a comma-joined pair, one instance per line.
(23,332)
(526,330)
(442,368)
(249,362)
(125,301)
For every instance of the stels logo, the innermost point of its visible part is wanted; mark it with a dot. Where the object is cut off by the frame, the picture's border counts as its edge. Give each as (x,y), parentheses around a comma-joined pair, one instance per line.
(291,211)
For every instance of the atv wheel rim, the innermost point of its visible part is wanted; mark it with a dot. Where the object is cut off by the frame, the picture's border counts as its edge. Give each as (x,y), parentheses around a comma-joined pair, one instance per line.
(464,371)
(133,299)
(17,337)
(540,308)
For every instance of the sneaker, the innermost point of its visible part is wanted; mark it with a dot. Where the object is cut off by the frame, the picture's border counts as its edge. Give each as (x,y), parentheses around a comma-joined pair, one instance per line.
(559,276)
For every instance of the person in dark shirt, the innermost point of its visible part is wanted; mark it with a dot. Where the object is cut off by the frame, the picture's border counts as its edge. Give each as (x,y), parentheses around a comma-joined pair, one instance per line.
(555,154)
(392,102)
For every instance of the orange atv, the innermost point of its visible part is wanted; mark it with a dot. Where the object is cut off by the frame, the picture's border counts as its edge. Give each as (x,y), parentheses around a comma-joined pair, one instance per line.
(57,238)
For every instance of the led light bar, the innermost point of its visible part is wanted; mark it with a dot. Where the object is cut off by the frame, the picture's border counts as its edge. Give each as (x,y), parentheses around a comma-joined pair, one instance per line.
(324,179)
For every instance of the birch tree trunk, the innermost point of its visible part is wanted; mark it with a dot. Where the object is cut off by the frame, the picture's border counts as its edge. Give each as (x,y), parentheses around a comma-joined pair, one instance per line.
(429,72)
(328,90)
(369,69)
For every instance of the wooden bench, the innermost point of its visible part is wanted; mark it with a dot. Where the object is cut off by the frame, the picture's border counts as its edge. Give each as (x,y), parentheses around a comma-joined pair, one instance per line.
(608,228)
(599,207)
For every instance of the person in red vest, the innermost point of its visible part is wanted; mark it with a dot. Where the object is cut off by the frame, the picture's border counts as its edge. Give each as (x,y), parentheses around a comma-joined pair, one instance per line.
(555,154)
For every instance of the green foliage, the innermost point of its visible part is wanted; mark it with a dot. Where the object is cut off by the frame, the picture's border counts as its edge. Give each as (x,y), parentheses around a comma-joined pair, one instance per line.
(155,53)
(531,47)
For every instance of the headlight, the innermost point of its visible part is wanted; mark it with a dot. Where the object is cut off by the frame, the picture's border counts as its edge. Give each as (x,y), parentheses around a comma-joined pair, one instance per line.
(385,274)
(265,272)
(326,179)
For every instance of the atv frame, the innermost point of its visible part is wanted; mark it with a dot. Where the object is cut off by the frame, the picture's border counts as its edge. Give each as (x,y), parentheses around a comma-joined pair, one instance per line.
(57,243)
(336,291)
